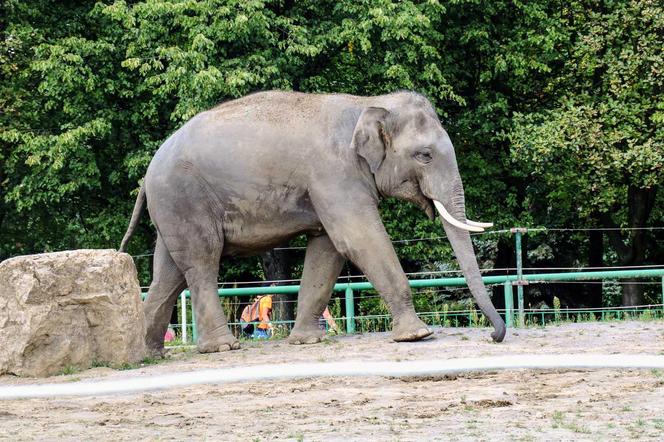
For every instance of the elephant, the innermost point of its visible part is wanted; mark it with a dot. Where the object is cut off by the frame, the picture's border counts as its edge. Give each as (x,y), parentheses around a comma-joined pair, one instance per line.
(254,172)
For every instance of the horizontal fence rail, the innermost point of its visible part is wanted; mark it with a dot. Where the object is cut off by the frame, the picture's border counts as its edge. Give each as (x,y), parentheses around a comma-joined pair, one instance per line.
(454,282)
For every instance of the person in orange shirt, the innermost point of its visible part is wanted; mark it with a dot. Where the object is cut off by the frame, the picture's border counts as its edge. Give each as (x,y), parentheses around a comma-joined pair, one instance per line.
(260,311)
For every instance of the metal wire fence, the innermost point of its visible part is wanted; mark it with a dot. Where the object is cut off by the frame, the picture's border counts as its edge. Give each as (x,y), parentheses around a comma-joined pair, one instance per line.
(471,318)
(436,287)
(445,314)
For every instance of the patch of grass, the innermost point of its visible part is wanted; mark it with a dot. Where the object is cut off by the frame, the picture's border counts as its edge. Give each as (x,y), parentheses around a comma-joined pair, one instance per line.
(174,343)
(126,366)
(280,332)
(99,364)
(181,349)
(151,361)
(70,369)
(133,366)
(560,422)
(573,426)
(556,309)
(658,373)
(299,437)
(558,417)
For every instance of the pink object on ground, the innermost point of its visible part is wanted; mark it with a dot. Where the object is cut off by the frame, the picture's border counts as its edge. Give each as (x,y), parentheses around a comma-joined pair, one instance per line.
(169,336)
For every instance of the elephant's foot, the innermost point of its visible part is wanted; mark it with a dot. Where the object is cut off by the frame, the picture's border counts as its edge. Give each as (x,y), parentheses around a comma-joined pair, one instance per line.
(301,335)
(154,345)
(155,352)
(224,342)
(409,329)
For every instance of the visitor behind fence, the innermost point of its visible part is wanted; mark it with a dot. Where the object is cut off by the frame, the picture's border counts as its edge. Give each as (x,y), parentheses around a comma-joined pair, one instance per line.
(169,336)
(259,311)
(331,323)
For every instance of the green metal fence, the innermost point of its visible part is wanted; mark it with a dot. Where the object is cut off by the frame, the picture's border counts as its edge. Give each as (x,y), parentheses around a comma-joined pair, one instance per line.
(469,317)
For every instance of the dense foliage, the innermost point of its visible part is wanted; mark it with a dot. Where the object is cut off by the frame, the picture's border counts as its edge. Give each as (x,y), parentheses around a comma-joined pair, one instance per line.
(555,109)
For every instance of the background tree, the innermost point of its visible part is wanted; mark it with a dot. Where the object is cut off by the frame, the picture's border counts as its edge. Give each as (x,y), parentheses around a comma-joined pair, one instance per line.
(598,147)
(555,110)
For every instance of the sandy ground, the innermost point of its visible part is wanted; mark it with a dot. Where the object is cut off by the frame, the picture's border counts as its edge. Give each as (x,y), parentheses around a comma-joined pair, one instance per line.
(508,405)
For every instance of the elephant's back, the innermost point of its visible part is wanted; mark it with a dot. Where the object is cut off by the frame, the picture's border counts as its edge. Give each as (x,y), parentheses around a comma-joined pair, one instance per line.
(272,107)
(262,134)
(252,131)
(230,148)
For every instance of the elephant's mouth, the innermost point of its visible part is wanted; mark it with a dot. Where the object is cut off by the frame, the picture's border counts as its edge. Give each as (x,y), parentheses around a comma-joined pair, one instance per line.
(429,208)
(425,203)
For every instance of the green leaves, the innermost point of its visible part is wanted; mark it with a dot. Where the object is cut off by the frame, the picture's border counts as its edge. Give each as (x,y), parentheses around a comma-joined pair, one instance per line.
(600,138)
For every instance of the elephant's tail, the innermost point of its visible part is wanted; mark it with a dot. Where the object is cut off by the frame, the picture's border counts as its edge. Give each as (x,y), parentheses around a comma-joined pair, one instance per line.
(135,218)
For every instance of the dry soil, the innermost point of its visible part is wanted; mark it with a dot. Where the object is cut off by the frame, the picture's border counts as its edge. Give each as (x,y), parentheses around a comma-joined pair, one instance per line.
(508,405)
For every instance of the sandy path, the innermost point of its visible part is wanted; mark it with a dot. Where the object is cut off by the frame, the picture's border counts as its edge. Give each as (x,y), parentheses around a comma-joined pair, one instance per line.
(510,405)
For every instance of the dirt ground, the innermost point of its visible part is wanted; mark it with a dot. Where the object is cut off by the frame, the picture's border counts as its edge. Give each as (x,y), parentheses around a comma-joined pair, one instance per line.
(508,405)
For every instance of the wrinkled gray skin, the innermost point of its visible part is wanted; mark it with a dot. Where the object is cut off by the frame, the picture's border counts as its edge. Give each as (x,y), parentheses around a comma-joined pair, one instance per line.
(252,173)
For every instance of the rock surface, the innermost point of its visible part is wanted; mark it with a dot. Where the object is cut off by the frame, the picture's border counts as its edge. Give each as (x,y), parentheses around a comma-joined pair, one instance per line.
(69,309)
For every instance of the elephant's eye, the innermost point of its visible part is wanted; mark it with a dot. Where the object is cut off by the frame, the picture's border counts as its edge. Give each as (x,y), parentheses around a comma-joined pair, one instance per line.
(423,156)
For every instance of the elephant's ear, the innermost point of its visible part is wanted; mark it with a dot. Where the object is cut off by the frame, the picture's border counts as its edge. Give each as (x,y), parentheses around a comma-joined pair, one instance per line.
(371,137)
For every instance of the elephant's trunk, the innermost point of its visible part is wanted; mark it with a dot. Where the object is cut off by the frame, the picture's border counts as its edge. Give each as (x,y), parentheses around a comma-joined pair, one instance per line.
(463,249)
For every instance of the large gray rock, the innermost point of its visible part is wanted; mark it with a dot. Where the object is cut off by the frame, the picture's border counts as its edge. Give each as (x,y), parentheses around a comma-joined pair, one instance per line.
(69,309)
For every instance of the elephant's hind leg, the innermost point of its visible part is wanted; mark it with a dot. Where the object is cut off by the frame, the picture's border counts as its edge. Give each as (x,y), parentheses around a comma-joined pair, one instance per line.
(198,256)
(322,265)
(213,332)
(167,283)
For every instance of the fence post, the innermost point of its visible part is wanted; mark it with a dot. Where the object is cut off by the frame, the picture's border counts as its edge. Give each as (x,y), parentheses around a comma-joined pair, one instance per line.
(194,332)
(350,311)
(509,304)
(519,272)
(183,315)
(662,294)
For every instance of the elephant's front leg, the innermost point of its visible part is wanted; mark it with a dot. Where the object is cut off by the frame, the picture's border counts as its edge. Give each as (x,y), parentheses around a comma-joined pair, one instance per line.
(322,264)
(357,231)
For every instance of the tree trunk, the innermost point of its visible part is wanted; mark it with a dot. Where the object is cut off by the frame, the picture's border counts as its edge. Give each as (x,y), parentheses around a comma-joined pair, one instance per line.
(632,294)
(276,266)
(633,253)
(595,259)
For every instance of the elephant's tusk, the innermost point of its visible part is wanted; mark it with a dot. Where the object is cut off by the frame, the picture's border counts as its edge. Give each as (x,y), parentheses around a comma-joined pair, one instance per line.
(450,219)
(476,224)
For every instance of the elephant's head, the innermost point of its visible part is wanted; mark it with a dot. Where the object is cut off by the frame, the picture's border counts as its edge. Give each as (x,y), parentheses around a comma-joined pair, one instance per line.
(412,158)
